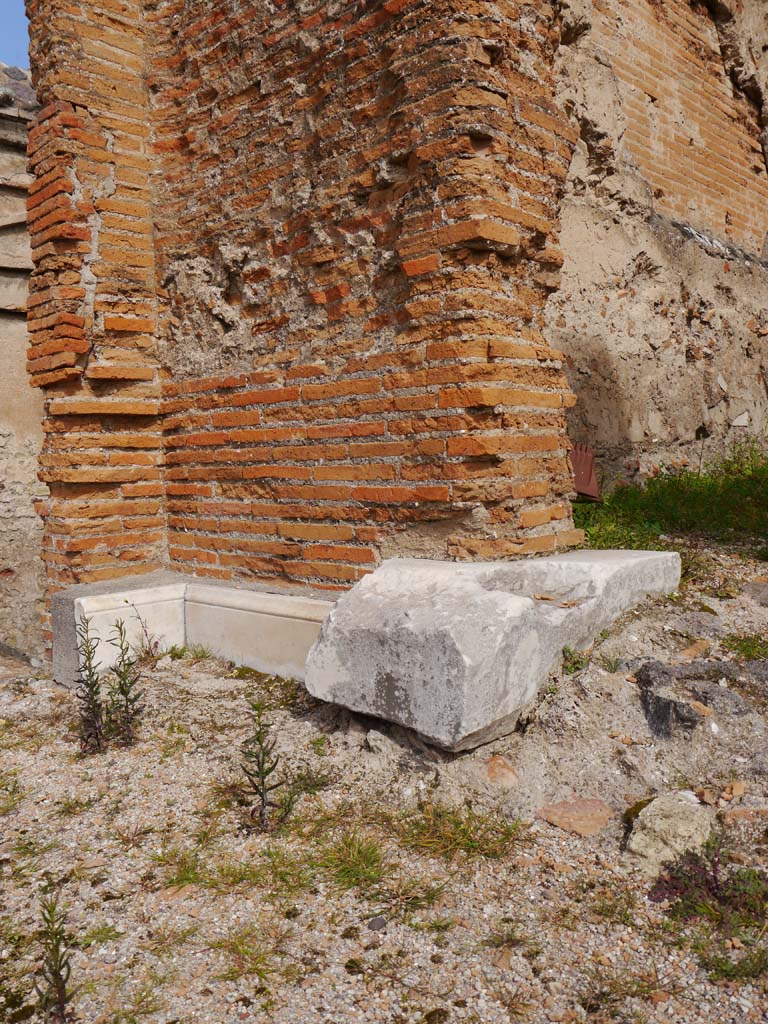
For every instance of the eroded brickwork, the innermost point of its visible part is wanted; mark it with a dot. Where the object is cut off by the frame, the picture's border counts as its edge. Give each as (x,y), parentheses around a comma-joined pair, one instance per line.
(354,209)
(360,202)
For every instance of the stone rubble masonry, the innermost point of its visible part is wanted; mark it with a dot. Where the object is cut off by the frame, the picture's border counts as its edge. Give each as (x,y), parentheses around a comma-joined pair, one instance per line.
(21,570)
(662,305)
(291,264)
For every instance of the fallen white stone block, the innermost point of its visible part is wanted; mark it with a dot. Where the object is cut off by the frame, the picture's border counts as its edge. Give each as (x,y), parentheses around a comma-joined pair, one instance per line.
(455,651)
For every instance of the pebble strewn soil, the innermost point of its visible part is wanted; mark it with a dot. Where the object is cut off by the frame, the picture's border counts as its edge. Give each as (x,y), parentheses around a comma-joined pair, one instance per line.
(179,912)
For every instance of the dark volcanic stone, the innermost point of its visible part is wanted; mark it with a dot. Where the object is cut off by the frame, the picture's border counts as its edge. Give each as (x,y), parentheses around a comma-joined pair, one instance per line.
(665,710)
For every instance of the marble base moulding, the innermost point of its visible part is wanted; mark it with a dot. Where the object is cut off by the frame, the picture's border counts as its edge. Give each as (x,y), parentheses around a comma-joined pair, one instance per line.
(268,631)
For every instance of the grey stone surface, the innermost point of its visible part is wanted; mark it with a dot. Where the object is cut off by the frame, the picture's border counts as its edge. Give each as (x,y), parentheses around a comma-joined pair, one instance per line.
(456,651)
(669,826)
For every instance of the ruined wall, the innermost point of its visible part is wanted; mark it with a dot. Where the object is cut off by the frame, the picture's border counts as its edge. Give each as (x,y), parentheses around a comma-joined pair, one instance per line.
(356,219)
(21,569)
(327,232)
(663,306)
(93,298)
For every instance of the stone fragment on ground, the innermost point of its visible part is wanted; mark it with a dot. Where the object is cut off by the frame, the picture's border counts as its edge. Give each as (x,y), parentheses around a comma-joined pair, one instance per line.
(667,827)
(584,817)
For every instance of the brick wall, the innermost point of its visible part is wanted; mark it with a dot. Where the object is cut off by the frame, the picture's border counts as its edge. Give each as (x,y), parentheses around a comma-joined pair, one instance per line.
(93,295)
(694,137)
(311,245)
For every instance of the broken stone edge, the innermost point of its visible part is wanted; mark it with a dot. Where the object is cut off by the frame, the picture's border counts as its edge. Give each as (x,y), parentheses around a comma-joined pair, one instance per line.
(455,651)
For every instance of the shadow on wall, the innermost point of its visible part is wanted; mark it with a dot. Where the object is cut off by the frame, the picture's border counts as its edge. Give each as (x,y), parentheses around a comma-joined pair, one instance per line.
(666,342)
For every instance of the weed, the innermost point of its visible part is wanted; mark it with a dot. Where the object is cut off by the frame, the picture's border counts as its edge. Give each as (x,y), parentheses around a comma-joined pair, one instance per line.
(259,766)
(509,936)
(751,647)
(732,901)
(52,987)
(515,1005)
(184,867)
(354,862)
(309,783)
(28,855)
(319,745)
(706,886)
(72,806)
(166,937)
(123,708)
(133,836)
(11,793)
(209,830)
(288,873)
(752,964)
(616,907)
(248,954)
(574,661)
(610,663)
(438,925)
(88,693)
(228,794)
(445,831)
(402,896)
(148,649)
(605,991)
(198,652)
(726,500)
(142,1001)
(274,692)
(98,935)
(228,875)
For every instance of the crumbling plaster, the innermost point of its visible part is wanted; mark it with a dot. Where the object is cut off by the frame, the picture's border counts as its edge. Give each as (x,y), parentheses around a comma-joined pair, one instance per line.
(21,408)
(665,323)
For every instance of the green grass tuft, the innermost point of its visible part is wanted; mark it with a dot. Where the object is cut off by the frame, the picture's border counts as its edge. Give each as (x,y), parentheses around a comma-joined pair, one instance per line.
(447,832)
(725,501)
(749,647)
(354,861)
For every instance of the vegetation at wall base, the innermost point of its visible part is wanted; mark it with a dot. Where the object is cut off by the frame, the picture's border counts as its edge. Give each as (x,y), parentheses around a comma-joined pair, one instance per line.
(728,500)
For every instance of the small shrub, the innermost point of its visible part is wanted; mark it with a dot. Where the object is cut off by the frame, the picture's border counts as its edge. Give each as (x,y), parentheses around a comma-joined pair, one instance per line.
(52,988)
(259,767)
(88,693)
(729,900)
(123,708)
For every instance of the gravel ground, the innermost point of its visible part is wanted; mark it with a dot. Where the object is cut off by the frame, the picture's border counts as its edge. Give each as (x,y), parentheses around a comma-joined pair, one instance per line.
(180,911)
